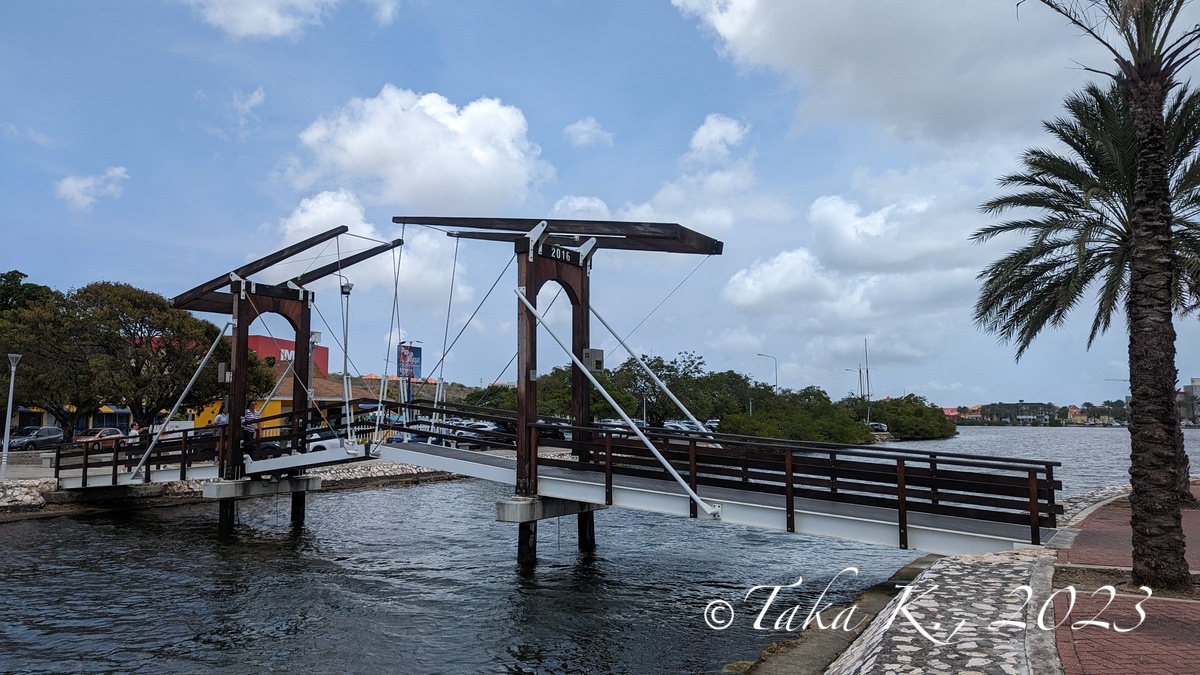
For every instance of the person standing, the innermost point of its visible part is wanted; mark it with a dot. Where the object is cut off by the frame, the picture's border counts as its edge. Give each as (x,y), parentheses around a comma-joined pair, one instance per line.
(249,426)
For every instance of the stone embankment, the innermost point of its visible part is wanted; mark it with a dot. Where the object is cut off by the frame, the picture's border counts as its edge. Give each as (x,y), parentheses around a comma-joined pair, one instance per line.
(32,495)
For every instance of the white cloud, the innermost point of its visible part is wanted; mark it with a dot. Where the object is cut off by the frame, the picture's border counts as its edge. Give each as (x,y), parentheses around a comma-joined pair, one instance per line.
(244,105)
(720,193)
(587,131)
(263,18)
(788,275)
(735,340)
(385,11)
(581,208)
(421,151)
(80,192)
(231,115)
(877,61)
(12,132)
(424,262)
(278,18)
(713,139)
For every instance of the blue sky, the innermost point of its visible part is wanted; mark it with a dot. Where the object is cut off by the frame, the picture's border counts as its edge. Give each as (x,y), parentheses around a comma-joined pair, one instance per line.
(840,149)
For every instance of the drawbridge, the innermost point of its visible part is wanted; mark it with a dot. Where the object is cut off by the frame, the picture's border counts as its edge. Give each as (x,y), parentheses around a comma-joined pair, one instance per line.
(933,501)
(948,503)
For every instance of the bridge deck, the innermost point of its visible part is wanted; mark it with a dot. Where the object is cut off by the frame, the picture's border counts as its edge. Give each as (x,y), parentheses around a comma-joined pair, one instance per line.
(926,531)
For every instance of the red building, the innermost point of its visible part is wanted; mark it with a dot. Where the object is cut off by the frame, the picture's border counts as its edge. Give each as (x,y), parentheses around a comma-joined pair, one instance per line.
(284,350)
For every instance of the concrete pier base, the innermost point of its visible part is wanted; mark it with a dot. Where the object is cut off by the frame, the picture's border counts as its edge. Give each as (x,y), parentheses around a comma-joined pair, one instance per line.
(520,509)
(236,489)
(528,510)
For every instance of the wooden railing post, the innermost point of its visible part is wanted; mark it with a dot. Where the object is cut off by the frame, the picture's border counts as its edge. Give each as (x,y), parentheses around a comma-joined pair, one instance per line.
(1052,511)
(833,487)
(608,490)
(117,451)
(933,477)
(183,457)
(692,476)
(789,491)
(1035,531)
(57,460)
(83,481)
(901,504)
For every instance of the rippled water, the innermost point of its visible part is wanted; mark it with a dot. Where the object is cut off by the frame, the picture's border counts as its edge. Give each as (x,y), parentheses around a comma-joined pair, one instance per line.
(405,579)
(422,579)
(1092,457)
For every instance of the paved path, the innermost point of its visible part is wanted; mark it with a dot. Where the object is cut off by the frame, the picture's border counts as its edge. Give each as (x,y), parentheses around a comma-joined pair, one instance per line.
(1166,641)
(970,614)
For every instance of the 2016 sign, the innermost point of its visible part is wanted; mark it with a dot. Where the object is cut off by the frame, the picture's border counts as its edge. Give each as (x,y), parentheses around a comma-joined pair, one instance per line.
(567,255)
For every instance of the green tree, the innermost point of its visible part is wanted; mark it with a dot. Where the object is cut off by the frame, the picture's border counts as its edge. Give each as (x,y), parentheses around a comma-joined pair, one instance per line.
(805,415)
(152,350)
(15,293)
(911,417)
(63,369)
(1149,55)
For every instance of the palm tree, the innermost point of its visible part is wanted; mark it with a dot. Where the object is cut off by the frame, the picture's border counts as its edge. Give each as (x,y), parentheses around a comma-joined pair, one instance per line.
(1148,59)
(1081,238)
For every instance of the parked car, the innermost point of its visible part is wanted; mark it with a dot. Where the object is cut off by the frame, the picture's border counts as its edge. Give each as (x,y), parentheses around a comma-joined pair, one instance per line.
(35,438)
(878,426)
(684,425)
(101,437)
(619,425)
(551,432)
(476,433)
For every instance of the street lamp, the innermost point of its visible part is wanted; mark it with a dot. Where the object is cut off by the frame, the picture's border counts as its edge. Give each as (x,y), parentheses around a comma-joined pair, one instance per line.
(768,356)
(12,358)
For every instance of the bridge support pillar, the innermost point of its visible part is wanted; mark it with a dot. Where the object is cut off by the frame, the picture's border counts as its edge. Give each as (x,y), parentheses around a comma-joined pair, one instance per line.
(587,532)
(527,543)
(526,511)
(228,514)
(298,499)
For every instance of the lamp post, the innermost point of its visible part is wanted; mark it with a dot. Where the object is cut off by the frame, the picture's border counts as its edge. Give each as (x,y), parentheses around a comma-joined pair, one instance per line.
(347,416)
(768,356)
(12,378)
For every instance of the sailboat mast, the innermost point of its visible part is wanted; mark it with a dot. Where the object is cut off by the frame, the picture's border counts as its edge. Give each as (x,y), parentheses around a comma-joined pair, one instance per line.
(867,368)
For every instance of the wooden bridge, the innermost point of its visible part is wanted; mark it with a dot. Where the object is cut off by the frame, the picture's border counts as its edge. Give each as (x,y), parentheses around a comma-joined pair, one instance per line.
(928,500)
(935,501)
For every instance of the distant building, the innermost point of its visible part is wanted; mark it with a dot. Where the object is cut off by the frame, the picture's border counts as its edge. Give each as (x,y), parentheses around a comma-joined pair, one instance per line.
(1021,413)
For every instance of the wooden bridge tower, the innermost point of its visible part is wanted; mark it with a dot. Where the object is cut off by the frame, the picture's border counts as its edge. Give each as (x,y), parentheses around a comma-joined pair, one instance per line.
(245,301)
(559,251)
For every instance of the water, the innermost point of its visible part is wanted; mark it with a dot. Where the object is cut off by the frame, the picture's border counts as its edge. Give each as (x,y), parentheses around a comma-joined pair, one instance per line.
(422,579)
(1092,457)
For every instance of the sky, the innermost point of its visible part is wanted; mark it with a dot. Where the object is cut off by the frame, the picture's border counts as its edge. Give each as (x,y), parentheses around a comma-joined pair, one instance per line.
(839,148)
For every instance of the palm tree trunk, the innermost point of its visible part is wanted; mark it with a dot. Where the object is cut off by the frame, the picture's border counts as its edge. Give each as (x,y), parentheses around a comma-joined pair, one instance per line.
(1158,542)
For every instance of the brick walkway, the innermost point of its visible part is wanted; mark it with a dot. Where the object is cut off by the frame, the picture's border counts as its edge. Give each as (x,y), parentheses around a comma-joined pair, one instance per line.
(1166,641)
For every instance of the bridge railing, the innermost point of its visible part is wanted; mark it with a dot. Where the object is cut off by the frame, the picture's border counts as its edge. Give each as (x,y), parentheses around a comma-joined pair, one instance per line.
(997,489)
(1005,490)
(176,450)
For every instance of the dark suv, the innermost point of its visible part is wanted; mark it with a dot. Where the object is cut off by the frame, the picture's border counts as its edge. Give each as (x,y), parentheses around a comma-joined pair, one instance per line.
(35,438)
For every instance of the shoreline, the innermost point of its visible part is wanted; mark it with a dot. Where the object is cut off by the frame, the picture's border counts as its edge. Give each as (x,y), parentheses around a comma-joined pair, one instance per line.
(37,498)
